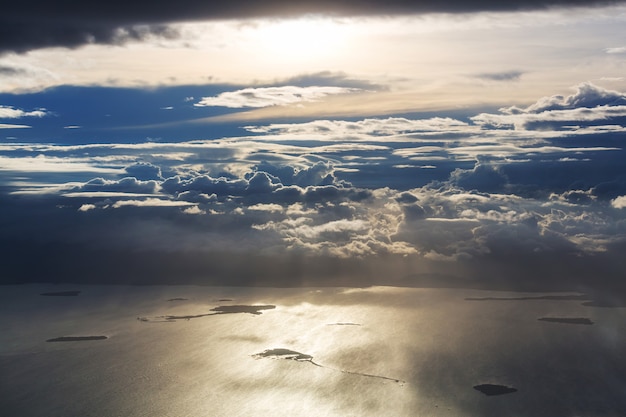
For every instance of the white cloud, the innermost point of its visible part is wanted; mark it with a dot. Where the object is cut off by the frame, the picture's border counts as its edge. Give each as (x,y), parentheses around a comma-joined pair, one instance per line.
(11,126)
(364,129)
(333,191)
(124,185)
(194,210)
(619,202)
(44,163)
(616,50)
(272,208)
(589,103)
(587,95)
(151,202)
(522,121)
(271,96)
(9,112)
(104,194)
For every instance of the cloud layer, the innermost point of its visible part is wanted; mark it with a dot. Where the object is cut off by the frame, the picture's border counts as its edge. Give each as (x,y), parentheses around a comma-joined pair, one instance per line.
(41,24)
(271,96)
(502,192)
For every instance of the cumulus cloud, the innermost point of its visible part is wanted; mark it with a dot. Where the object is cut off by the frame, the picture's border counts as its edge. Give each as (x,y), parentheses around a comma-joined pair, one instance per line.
(589,104)
(347,229)
(619,202)
(194,210)
(266,207)
(518,201)
(125,185)
(587,95)
(9,112)
(485,177)
(271,96)
(196,197)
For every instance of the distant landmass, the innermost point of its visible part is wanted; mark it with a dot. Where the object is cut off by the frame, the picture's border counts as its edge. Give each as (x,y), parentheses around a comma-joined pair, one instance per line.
(567,320)
(536,297)
(61,294)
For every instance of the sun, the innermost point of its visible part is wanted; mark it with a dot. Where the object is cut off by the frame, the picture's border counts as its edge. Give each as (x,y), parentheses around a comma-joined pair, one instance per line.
(303,39)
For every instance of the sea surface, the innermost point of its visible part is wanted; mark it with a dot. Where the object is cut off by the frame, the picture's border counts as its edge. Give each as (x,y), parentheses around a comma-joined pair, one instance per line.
(379,351)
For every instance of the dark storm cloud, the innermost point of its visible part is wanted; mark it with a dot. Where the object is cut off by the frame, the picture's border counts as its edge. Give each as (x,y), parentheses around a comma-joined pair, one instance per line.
(70,23)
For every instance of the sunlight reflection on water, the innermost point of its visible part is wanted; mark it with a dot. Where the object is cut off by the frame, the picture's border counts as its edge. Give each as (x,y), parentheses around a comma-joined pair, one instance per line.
(441,344)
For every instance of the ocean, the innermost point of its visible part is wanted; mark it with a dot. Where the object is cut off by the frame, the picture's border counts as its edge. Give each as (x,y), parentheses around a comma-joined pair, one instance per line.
(240,351)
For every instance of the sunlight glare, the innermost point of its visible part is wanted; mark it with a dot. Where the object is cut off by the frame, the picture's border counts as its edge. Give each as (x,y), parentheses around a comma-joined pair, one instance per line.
(298,40)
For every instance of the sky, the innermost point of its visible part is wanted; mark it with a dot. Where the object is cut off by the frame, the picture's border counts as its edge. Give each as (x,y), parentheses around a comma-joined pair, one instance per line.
(475,144)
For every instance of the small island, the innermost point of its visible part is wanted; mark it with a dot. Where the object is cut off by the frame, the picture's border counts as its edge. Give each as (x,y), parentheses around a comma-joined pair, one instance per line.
(288,354)
(282,353)
(492,389)
(61,294)
(76,338)
(254,309)
(234,309)
(567,320)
